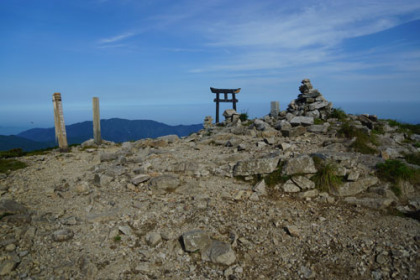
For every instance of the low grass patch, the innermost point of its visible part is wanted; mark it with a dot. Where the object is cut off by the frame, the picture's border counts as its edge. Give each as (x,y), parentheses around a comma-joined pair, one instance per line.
(318,121)
(394,171)
(405,127)
(275,177)
(326,179)
(339,114)
(413,158)
(12,153)
(7,165)
(364,142)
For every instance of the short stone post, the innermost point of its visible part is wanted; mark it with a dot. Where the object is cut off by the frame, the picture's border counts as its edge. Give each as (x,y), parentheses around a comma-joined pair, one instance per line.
(96,121)
(275,109)
(60,128)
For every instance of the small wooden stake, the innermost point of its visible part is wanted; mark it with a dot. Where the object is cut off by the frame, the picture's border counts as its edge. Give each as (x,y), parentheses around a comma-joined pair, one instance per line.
(60,128)
(96,122)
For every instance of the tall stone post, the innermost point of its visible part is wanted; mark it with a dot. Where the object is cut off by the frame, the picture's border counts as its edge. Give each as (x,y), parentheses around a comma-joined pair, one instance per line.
(96,122)
(60,127)
(275,109)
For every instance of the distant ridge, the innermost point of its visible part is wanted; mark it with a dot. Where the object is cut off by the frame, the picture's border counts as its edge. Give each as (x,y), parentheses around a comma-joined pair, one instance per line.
(12,142)
(117,130)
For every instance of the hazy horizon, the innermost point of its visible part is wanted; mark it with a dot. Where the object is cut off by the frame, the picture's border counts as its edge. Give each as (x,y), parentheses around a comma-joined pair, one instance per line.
(194,113)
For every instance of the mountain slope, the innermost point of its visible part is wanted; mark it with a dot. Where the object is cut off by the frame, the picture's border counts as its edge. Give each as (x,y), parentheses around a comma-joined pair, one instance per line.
(117,130)
(12,141)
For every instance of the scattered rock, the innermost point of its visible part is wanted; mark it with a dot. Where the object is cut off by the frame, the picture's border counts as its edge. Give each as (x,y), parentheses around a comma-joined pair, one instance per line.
(62,235)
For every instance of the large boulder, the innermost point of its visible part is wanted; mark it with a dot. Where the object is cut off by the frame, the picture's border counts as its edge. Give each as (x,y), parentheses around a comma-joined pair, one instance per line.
(299,165)
(264,165)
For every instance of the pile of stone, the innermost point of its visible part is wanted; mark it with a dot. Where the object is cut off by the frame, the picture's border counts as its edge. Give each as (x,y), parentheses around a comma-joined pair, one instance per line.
(310,103)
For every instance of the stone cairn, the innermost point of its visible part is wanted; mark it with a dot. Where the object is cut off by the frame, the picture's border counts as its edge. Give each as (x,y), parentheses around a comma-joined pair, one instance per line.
(208,122)
(310,103)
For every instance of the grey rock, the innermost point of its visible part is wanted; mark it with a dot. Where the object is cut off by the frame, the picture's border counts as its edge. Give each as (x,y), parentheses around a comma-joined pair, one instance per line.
(173,138)
(7,266)
(140,179)
(62,235)
(303,182)
(196,240)
(292,230)
(302,121)
(299,165)
(153,238)
(104,157)
(374,203)
(353,176)
(290,187)
(260,125)
(318,105)
(264,165)
(353,188)
(83,188)
(294,132)
(318,128)
(11,207)
(314,114)
(309,194)
(219,252)
(283,125)
(164,183)
(260,188)
(229,113)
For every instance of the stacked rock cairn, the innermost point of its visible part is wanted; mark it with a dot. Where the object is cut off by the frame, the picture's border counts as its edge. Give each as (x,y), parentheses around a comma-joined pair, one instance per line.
(310,103)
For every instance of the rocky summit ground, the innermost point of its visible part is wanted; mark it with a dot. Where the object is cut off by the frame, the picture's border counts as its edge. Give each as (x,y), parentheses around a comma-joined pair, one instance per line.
(307,193)
(193,208)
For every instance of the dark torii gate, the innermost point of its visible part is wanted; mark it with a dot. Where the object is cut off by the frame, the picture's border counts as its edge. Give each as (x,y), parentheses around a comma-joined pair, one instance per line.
(225,98)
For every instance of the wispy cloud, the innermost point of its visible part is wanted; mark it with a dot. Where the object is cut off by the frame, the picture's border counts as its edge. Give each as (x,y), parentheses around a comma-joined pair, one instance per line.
(117,38)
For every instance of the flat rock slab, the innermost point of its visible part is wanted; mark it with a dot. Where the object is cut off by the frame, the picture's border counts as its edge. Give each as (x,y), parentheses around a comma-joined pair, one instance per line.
(140,179)
(353,188)
(257,166)
(164,183)
(302,121)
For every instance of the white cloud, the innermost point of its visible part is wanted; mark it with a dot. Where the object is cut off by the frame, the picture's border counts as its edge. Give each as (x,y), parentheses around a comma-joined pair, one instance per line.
(117,38)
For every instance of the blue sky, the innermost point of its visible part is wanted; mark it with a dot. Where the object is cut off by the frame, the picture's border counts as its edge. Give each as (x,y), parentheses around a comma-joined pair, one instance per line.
(157,59)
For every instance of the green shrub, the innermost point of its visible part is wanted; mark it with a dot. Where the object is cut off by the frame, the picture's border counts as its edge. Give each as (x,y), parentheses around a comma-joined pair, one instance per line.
(243,116)
(10,165)
(417,144)
(318,121)
(339,114)
(326,179)
(12,153)
(117,238)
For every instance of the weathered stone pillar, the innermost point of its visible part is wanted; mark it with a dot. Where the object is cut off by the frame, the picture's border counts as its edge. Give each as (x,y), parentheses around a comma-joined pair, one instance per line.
(60,127)
(275,109)
(96,121)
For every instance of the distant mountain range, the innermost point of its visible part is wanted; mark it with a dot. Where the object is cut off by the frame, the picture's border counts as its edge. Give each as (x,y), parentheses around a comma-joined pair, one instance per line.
(117,130)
